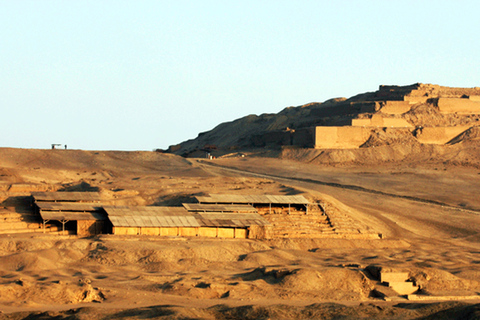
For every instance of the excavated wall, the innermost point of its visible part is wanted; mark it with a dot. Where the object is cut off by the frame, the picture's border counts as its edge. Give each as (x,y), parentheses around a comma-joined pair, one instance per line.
(439,135)
(354,137)
(395,107)
(379,121)
(340,137)
(455,105)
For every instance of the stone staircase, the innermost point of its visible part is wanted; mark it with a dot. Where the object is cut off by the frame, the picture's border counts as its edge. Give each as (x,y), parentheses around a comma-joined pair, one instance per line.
(17,216)
(299,225)
(18,222)
(392,285)
(316,222)
(398,282)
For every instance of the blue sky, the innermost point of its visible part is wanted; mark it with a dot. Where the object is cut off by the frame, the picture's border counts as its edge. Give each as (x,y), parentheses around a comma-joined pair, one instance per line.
(139,75)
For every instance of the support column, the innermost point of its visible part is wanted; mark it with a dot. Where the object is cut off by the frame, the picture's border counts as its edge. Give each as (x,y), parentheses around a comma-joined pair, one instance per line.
(63,225)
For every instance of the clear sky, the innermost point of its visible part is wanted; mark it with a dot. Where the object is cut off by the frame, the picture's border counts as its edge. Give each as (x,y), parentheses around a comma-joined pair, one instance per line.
(140,75)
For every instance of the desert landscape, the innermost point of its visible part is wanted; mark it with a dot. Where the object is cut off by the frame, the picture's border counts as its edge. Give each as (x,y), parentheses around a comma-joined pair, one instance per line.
(390,229)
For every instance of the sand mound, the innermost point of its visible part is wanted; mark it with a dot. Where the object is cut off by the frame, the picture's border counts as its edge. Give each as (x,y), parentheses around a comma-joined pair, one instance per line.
(329,284)
(301,283)
(20,292)
(269,257)
(31,261)
(437,281)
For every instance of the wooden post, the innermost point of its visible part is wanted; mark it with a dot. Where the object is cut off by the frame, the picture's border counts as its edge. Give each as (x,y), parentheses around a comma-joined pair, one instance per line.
(63,225)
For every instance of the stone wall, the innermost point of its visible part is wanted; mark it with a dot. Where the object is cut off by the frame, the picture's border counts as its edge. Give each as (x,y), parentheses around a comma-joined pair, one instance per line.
(455,105)
(340,137)
(416,99)
(379,121)
(474,98)
(420,93)
(439,135)
(395,107)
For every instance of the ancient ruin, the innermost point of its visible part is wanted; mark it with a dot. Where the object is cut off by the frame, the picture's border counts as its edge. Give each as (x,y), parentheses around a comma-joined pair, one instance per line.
(424,113)
(392,110)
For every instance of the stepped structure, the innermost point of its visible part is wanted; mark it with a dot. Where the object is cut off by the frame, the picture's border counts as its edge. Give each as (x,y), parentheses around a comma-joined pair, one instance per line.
(298,224)
(318,220)
(398,282)
(392,284)
(18,216)
(397,108)
(342,123)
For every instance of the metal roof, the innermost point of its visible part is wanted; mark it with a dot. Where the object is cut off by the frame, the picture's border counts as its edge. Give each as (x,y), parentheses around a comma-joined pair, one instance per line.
(154,221)
(263,199)
(202,207)
(67,196)
(145,211)
(69,215)
(70,211)
(68,206)
(124,216)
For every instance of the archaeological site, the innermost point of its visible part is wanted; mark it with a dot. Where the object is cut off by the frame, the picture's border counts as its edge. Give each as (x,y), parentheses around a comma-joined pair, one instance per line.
(360,207)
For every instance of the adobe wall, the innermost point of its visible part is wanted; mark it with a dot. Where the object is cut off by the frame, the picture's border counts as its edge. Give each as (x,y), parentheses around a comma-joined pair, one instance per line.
(455,105)
(394,122)
(420,93)
(361,122)
(396,107)
(416,99)
(379,121)
(340,137)
(439,135)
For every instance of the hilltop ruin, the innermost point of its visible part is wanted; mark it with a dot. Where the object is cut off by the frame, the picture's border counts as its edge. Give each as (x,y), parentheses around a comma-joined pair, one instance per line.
(418,113)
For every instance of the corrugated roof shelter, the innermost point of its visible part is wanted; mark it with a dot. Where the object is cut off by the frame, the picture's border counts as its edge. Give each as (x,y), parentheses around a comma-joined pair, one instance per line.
(207,207)
(123,216)
(70,211)
(90,219)
(66,196)
(252,199)
(178,221)
(256,200)
(81,209)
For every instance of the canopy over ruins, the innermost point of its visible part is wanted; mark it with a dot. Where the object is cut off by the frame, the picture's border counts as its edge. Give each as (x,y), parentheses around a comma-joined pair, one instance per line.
(203,207)
(252,199)
(177,221)
(66,196)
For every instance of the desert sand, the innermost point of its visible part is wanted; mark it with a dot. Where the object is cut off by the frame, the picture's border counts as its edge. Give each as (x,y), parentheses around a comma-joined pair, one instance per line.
(427,214)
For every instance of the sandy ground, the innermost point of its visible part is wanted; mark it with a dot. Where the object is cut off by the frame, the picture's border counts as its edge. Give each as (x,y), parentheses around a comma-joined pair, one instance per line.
(428,215)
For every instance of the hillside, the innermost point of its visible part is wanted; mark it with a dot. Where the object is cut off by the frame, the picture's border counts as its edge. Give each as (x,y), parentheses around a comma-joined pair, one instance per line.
(422,117)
